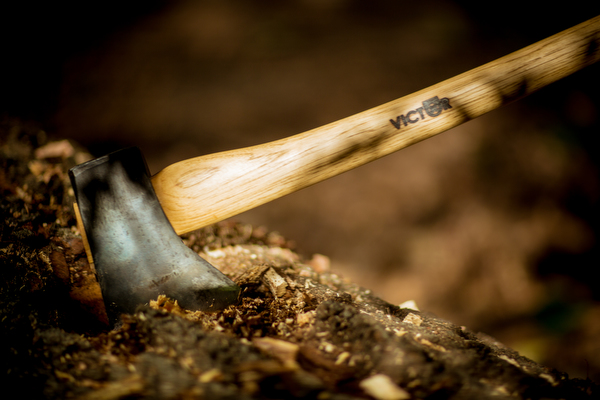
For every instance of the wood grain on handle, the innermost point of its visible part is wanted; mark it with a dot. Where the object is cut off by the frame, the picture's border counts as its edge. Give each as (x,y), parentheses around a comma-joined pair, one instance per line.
(203,190)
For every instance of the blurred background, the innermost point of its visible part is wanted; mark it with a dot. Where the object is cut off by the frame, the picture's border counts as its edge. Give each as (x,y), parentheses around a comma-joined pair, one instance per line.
(493,225)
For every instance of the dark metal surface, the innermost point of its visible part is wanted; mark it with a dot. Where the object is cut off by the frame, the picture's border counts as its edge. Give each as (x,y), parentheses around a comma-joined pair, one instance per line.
(136,252)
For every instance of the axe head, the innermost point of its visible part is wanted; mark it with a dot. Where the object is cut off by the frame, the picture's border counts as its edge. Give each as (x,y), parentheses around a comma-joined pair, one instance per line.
(136,252)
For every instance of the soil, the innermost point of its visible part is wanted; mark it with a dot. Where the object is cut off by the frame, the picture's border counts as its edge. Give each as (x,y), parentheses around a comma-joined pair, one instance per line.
(297,331)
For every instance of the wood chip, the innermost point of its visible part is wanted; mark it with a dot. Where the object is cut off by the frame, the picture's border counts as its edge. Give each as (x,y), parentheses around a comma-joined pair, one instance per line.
(131,385)
(381,387)
(305,318)
(413,319)
(285,352)
(320,263)
(59,149)
(410,304)
(276,284)
(252,276)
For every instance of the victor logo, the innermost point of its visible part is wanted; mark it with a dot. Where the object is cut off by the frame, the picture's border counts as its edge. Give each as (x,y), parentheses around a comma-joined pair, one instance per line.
(432,108)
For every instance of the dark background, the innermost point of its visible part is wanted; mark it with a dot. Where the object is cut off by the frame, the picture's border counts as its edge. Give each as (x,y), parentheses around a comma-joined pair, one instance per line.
(493,225)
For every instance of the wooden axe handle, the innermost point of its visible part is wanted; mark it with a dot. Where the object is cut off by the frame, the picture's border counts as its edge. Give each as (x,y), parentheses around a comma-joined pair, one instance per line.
(203,190)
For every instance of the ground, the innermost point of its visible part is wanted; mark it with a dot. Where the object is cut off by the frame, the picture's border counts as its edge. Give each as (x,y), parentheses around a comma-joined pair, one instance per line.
(298,330)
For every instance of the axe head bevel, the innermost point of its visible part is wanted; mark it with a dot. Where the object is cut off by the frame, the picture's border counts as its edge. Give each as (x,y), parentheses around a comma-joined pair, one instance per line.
(136,252)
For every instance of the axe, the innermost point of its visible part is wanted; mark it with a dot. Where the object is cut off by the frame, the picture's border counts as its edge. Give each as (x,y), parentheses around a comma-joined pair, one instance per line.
(131,221)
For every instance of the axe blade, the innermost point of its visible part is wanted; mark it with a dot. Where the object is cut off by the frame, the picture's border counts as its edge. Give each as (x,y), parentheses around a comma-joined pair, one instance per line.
(136,252)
